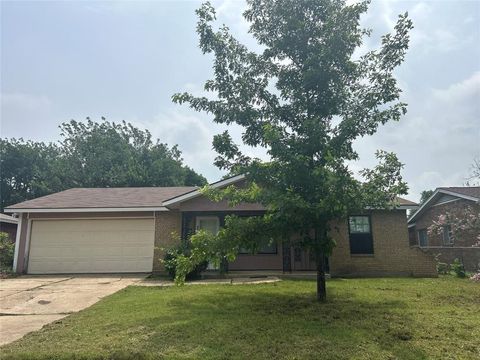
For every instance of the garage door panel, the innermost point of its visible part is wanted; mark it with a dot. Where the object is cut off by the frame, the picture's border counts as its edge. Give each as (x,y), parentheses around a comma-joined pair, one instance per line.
(90,246)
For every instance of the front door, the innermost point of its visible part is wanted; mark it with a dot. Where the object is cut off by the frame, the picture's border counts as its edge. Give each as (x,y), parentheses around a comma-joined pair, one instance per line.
(210,224)
(303,259)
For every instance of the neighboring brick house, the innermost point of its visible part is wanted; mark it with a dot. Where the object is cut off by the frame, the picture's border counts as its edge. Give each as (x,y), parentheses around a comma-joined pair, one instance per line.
(8,224)
(453,200)
(128,229)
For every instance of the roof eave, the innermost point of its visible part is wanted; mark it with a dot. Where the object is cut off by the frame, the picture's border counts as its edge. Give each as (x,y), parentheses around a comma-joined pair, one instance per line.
(85,210)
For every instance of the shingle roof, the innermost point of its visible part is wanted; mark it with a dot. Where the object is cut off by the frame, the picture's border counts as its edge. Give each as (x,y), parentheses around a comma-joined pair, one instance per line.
(403,201)
(127,197)
(473,191)
(105,198)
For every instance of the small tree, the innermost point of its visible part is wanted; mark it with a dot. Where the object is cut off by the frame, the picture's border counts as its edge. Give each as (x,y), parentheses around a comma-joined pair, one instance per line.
(474,177)
(305,99)
(425,195)
(461,223)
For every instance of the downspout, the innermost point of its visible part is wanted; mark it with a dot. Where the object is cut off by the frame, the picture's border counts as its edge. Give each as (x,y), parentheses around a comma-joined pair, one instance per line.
(17,243)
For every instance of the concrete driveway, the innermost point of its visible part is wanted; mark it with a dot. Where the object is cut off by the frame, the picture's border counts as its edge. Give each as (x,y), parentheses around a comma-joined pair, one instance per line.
(28,303)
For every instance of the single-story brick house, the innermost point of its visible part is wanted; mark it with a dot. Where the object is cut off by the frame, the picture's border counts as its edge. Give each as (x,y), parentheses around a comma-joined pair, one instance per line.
(124,230)
(453,200)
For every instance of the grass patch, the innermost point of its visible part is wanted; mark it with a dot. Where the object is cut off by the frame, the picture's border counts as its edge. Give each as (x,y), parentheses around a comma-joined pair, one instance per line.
(363,319)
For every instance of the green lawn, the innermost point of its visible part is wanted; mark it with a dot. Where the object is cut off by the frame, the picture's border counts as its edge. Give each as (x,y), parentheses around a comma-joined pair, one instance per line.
(363,319)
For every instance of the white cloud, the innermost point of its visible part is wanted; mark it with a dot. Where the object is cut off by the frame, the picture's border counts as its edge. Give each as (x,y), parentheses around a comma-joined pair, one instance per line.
(122,7)
(29,110)
(437,140)
(26,101)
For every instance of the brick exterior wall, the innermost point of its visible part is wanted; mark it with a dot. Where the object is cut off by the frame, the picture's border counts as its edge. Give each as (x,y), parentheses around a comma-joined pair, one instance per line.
(392,255)
(426,219)
(461,248)
(469,256)
(166,223)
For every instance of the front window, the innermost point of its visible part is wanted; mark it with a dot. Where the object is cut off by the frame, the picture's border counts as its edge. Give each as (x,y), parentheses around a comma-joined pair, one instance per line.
(270,248)
(360,234)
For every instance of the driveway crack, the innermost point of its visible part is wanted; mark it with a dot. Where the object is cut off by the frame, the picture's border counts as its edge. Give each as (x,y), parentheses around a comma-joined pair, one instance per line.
(36,287)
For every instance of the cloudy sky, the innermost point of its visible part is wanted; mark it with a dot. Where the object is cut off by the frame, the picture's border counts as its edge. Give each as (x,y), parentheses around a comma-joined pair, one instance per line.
(123,60)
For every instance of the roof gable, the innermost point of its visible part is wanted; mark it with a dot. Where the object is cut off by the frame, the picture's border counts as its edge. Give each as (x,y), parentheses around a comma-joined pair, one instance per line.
(444,195)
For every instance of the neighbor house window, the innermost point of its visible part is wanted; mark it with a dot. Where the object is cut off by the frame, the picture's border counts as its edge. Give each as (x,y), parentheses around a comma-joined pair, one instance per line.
(360,231)
(447,235)
(423,237)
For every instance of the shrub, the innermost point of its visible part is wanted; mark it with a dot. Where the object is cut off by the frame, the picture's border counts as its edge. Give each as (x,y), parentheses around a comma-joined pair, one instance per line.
(458,268)
(7,250)
(172,258)
(475,277)
(443,268)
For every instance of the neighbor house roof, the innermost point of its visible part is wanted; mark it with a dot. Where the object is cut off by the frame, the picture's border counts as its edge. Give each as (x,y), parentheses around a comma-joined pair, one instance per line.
(471,193)
(8,219)
(138,198)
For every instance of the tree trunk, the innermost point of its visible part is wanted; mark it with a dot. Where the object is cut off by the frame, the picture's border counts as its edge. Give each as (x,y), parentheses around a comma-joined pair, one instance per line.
(321,285)
(320,260)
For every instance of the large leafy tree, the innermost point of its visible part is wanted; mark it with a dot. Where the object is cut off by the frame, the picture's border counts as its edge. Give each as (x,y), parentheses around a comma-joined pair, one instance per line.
(27,170)
(305,98)
(96,154)
(90,154)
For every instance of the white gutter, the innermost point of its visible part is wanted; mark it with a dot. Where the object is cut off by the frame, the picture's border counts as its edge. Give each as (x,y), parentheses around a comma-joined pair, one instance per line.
(84,210)
(17,244)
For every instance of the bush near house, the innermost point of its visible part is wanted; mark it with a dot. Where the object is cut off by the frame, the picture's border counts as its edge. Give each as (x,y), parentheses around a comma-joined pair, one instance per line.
(170,262)
(7,250)
(458,268)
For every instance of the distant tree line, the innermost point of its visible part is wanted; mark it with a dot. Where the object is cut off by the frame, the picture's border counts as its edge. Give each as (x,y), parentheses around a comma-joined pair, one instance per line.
(90,154)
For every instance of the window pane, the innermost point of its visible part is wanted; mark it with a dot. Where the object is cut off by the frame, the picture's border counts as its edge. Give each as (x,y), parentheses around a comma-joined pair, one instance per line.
(447,240)
(359,224)
(423,237)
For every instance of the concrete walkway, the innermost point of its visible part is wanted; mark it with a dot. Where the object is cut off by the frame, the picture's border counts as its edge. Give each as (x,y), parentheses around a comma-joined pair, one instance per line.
(226,281)
(28,303)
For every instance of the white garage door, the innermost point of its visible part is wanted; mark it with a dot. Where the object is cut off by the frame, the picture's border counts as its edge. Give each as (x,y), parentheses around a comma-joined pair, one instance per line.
(91,246)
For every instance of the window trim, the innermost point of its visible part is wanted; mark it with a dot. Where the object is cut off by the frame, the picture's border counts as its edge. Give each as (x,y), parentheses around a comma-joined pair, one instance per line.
(369,216)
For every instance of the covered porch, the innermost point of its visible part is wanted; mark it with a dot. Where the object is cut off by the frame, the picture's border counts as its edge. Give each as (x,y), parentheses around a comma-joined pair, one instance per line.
(275,259)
